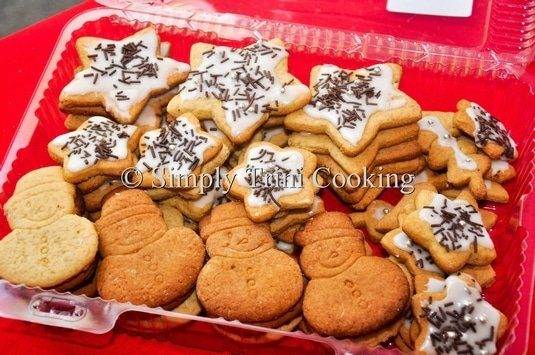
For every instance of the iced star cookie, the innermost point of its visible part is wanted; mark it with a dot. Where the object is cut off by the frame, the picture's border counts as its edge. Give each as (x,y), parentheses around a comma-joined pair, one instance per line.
(41,197)
(59,255)
(451,230)
(270,179)
(455,318)
(273,135)
(173,153)
(352,106)
(120,75)
(239,88)
(98,147)
(488,132)
(368,219)
(444,151)
(212,196)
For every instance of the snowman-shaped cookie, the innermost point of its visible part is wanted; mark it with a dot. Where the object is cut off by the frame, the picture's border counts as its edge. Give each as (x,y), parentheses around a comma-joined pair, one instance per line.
(349,294)
(246,278)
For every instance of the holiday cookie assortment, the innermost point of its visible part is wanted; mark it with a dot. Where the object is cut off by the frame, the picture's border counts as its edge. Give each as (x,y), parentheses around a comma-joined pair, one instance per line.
(256,243)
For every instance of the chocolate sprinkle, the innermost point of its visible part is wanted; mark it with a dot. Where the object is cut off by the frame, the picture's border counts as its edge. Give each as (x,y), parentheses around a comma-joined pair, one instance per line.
(490,129)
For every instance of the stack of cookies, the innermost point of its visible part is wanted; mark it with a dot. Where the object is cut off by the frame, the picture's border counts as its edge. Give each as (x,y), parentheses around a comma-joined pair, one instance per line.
(158,153)
(362,129)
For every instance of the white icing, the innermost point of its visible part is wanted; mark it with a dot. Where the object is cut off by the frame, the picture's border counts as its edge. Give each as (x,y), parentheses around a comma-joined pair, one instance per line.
(214,194)
(497,166)
(421,256)
(240,73)
(434,285)
(488,184)
(476,327)
(423,176)
(350,114)
(270,174)
(210,127)
(85,145)
(178,149)
(444,139)
(285,247)
(453,232)
(380,212)
(108,78)
(496,130)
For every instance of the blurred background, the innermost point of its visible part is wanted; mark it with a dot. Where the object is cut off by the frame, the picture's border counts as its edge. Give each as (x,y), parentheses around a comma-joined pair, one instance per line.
(17,14)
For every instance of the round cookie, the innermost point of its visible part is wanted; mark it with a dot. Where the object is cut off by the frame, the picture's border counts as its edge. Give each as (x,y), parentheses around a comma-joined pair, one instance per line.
(158,274)
(49,256)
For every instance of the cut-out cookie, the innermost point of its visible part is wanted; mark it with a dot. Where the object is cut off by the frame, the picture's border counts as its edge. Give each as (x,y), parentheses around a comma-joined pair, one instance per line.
(213,195)
(40,198)
(403,207)
(129,221)
(171,215)
(444,151)
(496,192)
(322,144)
(159,274)
(352,106)
(120,75)
(270,179)
(174,153)
(457,317)
(341,297)
(368,219)
(239,88)
(273,135)
(51,256)
(245,270)
(94,200)
(451,230)
(151,117)
(278,225)
(98,147)
(500,171)
(488,132)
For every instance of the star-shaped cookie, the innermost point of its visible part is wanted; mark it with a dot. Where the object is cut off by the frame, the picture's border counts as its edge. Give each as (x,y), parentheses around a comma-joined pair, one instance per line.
(351,106)
(239,88)
(175,153)
(451,230)
(270,179)
(121,75)
(98,146)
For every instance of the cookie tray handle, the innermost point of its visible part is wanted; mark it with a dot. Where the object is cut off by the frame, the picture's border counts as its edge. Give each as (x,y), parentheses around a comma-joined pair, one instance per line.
(58,309)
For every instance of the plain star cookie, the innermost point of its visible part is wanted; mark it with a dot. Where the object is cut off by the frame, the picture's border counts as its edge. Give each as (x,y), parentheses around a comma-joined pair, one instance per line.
(120,75)
(270,179)
(352,106)
(98,147)
(239,88)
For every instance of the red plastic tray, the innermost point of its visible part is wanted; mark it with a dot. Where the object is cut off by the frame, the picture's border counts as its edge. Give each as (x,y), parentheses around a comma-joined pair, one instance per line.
(437,84)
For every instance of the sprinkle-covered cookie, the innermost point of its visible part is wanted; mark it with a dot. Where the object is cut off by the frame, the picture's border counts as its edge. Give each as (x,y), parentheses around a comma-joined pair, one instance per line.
(239,88)
(455,318)
(451,230)
(174,152)
(270,179)
(351,106)
(488,132)
(121,75)
(98,147)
